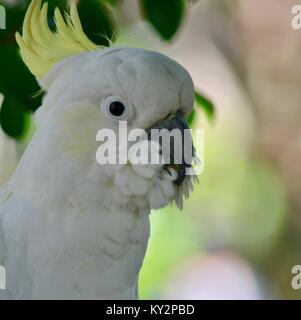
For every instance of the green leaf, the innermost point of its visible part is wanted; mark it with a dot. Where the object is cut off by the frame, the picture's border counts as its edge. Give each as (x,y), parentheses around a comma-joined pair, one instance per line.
(191,117)
(112,2)
(14,19)
(16,83)
(16,80)
(165,16)
(205,105)
(97,21)
(12,117)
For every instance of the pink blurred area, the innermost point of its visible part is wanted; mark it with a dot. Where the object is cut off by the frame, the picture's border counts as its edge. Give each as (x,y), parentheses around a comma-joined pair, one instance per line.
(221,276)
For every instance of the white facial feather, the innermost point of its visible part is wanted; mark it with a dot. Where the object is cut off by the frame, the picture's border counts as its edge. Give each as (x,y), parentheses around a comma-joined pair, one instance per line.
(153,86)
(72,228)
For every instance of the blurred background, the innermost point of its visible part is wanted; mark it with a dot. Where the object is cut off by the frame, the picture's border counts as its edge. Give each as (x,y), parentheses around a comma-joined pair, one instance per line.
(239,234)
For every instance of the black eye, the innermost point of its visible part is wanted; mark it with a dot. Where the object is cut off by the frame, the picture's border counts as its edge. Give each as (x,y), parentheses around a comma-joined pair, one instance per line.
(117,108)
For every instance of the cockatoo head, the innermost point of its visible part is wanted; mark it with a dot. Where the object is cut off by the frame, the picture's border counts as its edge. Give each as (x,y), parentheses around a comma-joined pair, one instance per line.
(91,88)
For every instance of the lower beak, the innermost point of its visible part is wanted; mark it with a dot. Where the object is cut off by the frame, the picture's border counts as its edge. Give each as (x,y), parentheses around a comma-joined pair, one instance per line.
(181,142)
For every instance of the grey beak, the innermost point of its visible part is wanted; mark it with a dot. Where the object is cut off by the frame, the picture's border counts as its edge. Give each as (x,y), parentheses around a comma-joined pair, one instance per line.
(179,161)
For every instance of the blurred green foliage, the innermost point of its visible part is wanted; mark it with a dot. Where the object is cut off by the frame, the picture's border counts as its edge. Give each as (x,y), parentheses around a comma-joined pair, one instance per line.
(204,104)
(21,90)
(165,16)
(16,83)
(170,229)
(97,20)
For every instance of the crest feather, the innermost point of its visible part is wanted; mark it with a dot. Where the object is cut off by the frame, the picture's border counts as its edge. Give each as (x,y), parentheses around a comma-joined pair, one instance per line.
(41,48)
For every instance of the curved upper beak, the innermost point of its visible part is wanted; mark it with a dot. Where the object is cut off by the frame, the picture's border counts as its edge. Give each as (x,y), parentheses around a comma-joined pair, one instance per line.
(178,148)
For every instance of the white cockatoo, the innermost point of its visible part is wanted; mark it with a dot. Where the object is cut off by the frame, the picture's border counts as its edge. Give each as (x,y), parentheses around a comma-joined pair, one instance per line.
(71,228)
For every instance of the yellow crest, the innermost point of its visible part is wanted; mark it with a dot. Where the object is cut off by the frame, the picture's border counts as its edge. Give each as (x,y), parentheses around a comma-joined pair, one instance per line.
(41,48)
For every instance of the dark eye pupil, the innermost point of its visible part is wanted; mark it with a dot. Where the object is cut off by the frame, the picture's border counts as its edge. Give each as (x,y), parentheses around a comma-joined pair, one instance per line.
(117,108)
